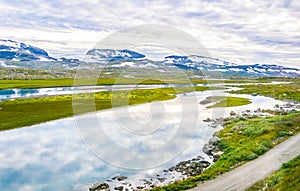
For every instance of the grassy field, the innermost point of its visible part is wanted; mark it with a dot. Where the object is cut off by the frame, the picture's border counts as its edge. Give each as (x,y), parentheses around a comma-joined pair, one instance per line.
(24,112)
(40,83)
(281,92)
(242,140)
(227,101)
(9,84)
(287,178)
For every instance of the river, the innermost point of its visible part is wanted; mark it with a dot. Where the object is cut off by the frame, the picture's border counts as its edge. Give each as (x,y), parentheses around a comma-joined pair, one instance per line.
(134,141)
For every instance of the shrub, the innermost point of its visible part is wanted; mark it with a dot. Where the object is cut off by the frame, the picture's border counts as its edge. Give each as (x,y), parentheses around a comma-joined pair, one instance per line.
(283,133)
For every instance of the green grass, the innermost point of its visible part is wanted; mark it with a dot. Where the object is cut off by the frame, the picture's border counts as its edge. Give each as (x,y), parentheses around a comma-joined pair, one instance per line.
(24,112)
(281,92)
(226,101)
(42,83)
(243,140)
(8,84)
(287,178)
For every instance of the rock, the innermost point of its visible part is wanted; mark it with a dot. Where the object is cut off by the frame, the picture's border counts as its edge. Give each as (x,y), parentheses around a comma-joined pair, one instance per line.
(254,94)
(140,187)
(147,181)
(172,168)
(204,163)
(214,140)
(217,155)
(232,113)
(99,186)
(288,105)
(119,188)
(190,168)
(161,179)
(207,120)
(199,158)
(119,178)
(208,148)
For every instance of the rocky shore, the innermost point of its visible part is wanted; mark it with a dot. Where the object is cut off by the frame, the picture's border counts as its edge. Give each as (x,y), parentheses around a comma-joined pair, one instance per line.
(180,171)
(212,149)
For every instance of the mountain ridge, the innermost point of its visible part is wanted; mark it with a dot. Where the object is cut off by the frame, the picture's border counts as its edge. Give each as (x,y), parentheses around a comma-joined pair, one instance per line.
(13,51)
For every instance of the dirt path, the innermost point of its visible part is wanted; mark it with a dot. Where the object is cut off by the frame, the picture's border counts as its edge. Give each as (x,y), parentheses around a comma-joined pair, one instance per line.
(246,175)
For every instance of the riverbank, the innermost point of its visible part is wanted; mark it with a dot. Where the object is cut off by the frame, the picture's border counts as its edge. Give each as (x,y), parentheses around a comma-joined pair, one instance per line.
(280,91)
(240,141)
(245,137)
(24,112)
(63,151)
(69,82)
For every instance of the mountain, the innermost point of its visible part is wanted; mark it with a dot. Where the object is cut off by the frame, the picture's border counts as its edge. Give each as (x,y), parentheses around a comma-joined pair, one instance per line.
(37,58)
(18,51)
(126,58)
(208,64)
(108,55)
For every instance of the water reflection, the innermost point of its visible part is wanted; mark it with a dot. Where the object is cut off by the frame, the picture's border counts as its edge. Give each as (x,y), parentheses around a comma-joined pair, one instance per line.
(7,94)
(52,156)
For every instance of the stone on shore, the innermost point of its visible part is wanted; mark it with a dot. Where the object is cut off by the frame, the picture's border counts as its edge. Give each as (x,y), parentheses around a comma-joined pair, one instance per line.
(119,178)
(100,186)
(119,188)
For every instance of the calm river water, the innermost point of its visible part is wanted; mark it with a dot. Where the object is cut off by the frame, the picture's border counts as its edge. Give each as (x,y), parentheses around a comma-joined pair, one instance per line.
(73,153)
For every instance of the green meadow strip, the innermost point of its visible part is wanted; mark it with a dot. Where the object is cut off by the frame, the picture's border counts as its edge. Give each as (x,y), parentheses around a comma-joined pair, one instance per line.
(24,112)
(226,101)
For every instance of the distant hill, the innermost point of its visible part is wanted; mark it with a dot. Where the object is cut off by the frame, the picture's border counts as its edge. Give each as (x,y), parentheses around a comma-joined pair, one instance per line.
(33,57)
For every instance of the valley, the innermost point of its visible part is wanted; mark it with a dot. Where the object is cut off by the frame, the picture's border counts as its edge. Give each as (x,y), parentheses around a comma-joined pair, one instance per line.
(229,114)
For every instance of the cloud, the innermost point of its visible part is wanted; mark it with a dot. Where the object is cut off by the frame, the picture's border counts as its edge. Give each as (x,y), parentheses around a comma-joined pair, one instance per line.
(231,30)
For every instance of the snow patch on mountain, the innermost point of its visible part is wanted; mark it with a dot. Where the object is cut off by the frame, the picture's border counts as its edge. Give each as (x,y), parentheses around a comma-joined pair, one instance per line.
(108,55)
(34,57)
(18,51)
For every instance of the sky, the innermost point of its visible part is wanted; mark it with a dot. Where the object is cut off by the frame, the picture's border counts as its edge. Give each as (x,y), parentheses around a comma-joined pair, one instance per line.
(243,32)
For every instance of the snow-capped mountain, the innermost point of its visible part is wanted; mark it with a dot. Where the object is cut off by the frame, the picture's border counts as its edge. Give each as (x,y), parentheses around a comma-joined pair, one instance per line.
(108,55)
(33,57)
(18,51)
(202,63)
(126,58)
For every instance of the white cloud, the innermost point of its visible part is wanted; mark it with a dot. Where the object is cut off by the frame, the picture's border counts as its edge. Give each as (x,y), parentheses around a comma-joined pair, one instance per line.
(232,30)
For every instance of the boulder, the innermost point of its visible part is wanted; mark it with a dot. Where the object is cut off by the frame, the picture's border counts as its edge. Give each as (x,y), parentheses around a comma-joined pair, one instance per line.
(99,186)
(217,155)
(119,188)
(207,120)
(214,140)
(119,178)
(232,113)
